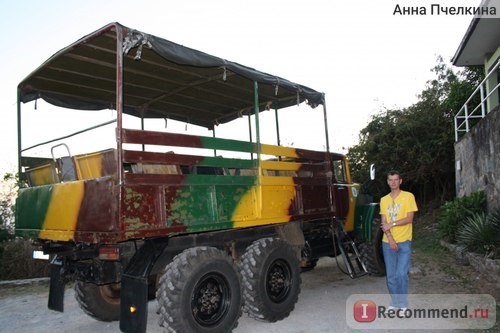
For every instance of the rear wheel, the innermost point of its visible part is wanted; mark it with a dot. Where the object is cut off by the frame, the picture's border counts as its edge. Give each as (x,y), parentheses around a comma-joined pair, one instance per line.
(271,279)
(199,291)
(371,251)
(101,302)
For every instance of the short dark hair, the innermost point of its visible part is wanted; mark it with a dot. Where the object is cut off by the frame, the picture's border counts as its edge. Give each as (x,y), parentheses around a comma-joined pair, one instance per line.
(394,173)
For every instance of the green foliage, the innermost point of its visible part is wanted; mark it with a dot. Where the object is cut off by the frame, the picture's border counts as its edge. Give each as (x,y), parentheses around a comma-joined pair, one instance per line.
(455,213)
(480,233)
(16,261)
(418,140)
(8,193)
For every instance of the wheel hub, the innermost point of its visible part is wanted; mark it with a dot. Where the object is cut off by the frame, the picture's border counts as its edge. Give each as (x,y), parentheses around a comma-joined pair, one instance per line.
(278,281)
(211,299)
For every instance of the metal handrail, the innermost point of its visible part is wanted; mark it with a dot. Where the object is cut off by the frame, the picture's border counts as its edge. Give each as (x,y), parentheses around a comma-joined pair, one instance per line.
(463,115)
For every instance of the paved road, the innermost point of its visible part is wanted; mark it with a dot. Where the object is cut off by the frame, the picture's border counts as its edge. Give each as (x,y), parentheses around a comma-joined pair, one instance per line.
(320,309)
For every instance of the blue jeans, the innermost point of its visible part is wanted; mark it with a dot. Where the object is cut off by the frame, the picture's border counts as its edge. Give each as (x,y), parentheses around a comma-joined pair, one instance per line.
(397,267)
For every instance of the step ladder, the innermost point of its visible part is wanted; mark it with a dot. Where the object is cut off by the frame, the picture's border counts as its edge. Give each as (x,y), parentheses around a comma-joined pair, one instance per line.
(349,252)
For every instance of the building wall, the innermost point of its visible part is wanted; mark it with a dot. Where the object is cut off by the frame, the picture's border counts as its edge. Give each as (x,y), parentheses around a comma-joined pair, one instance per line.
(477,160)
(490,62)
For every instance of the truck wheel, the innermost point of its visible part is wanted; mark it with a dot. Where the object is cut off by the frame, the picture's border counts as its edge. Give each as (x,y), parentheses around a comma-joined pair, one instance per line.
(101,302)
(199,291)
(308,263)
(371,251)
(271,279)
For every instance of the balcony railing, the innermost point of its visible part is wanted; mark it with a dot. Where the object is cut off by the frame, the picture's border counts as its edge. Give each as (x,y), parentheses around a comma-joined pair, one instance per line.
(465,118)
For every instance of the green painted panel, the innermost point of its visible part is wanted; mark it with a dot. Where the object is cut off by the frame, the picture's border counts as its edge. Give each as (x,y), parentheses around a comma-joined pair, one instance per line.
(220,180)
(31,207)
(228,163)
(227,144)
(208,202)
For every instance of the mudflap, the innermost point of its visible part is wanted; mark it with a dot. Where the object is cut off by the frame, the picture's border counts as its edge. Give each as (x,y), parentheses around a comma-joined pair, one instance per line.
(134,286)
(133,304)
(57,285)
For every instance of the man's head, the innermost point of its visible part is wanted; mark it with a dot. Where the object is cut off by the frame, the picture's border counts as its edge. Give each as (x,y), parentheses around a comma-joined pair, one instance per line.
(394,180)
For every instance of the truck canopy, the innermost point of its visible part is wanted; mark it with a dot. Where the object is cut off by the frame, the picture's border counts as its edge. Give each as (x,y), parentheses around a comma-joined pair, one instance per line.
(161,79)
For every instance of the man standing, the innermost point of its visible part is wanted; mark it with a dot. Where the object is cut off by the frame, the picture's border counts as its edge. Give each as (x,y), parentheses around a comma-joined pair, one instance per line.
(397,210)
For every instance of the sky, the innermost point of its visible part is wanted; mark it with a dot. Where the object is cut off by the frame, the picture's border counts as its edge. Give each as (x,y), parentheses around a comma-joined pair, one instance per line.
(361,55)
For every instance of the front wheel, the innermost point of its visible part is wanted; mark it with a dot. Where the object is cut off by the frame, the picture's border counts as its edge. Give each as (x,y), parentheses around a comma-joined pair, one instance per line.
(271,279)
(371,251)
(199,291)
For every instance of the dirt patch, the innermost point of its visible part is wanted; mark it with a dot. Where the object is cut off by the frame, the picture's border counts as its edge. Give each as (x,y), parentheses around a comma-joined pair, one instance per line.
(443,273)
(437,270)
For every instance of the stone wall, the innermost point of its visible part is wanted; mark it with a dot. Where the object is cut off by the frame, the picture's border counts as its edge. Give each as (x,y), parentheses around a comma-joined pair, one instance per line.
(477,160)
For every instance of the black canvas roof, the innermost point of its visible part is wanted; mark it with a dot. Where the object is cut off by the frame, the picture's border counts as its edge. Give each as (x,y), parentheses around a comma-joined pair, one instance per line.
(161,79)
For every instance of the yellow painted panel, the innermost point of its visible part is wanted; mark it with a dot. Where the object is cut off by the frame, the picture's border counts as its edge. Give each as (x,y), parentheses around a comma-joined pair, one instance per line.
(89,166)
(56,235)
(42,175)
(276,180)
(259,222)
(278,150)
(246,209)
(276,202)
(276,165)
(266,204)
(353,195)
(62,214)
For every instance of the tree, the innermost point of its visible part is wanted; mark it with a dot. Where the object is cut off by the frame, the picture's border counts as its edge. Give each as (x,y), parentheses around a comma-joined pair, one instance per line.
(8,193)
(418,140)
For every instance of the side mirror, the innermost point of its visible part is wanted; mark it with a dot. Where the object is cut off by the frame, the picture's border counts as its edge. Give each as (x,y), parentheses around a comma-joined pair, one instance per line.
(372,171)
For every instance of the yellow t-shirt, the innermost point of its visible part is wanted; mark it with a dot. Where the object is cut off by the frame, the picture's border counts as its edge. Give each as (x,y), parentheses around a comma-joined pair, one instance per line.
(395,209)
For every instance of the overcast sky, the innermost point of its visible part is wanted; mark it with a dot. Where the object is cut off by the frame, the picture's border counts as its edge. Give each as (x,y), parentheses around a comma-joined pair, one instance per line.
(361,55)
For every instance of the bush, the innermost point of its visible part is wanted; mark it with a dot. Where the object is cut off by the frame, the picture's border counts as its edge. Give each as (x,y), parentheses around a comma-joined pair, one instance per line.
(455,212)
(16,261)
(481,233)
(8,194)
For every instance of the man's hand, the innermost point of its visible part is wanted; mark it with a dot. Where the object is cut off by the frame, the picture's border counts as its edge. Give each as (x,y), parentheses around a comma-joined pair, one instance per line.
(385,226)
(392,244)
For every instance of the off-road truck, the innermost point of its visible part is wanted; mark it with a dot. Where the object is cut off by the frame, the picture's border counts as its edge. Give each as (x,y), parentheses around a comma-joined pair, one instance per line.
(210,226)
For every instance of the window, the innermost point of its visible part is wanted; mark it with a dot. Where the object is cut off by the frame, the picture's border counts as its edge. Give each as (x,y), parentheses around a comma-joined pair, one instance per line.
(339,171)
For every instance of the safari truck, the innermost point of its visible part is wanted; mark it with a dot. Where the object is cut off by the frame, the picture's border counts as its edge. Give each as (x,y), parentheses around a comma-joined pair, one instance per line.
(208,225)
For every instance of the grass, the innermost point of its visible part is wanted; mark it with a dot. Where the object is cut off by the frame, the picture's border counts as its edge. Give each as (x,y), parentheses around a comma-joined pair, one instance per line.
(425,238)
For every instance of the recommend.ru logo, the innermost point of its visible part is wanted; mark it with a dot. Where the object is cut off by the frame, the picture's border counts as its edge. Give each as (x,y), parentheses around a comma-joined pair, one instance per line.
(426,311)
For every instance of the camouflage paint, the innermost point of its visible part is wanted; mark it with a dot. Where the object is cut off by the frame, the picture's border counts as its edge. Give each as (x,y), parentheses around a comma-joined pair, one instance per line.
(296,186)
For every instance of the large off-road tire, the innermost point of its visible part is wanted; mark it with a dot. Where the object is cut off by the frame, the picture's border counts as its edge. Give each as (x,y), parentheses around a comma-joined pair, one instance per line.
(308,263)
(101,302)
(199,291)
(371,251)
(271,279)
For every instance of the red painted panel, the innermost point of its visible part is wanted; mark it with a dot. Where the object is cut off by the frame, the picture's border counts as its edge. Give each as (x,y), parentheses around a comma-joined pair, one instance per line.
(161,138)
(132,156)
(141,208)
(99,206)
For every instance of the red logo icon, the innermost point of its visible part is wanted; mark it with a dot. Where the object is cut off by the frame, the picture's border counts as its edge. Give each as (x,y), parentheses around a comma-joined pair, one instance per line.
(365,311)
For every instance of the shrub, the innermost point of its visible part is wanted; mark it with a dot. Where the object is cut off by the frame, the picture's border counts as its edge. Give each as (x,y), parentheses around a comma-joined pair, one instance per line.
(481,233)
(455,212)
(16,261)
(8,193)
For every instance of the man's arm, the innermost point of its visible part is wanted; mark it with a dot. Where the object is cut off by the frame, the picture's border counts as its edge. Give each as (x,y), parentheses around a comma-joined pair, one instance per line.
(386,229)
(406,220)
